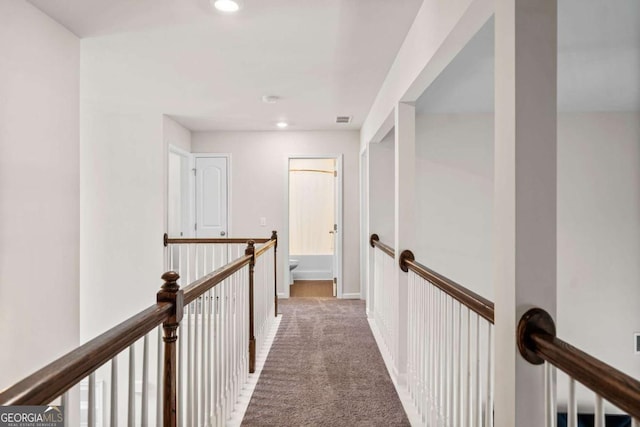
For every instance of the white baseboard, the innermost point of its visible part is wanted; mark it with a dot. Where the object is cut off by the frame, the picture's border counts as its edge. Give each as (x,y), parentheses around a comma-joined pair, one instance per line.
(312,275)
(282,295)
(352,295)
(242,404)
(410,409)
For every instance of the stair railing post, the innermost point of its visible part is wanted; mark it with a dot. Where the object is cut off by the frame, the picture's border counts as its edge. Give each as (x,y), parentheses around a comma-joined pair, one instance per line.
(274,236)
(251,250)
(170,292)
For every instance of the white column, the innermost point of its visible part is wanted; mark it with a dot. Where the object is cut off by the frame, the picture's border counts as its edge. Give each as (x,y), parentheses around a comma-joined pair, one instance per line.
(524,263)
(405,151)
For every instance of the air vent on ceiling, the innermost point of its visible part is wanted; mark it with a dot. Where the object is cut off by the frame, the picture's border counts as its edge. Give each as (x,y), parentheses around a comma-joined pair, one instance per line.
(343,119)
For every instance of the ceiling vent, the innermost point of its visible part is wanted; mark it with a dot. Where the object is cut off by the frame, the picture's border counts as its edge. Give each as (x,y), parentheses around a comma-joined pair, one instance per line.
(343,119)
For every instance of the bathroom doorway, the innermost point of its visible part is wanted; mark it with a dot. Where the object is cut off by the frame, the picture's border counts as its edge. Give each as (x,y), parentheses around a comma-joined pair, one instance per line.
(315,225)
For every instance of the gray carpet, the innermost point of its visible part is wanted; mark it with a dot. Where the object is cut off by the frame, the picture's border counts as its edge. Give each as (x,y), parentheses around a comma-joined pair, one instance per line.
(324,369)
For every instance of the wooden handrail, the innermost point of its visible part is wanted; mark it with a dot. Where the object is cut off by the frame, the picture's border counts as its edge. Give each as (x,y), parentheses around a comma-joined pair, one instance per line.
(53,380)
(200,286)
(264,248)
(538,342)
(375,242)
(48,383)
(480,305)
(193,240)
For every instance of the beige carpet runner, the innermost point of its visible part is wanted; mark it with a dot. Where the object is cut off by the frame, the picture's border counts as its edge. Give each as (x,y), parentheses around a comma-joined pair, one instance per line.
(324,369)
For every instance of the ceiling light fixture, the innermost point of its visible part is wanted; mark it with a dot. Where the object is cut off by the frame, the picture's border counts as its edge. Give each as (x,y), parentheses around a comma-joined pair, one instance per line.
(270,99)
(282,125)
(229,6)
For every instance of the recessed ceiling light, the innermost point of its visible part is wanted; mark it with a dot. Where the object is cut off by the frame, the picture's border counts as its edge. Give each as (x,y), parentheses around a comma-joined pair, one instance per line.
(226,5)
(282,125)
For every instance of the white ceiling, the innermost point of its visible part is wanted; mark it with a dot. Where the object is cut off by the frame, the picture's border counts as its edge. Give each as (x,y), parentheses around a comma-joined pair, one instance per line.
(598,63)
(209,70)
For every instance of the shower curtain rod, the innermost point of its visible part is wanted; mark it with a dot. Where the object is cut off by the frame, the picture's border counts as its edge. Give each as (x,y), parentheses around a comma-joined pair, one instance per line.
(311,170)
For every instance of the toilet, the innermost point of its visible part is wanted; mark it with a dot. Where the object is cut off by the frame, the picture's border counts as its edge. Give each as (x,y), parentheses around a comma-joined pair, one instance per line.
(293,263)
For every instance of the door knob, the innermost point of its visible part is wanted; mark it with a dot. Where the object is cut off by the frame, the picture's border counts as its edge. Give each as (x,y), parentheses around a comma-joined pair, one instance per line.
(222,233)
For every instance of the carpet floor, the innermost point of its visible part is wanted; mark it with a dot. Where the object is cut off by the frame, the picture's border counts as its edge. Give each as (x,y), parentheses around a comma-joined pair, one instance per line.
(324,369)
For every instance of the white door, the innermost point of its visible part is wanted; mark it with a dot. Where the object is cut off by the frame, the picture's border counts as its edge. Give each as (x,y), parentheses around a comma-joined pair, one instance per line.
(211,197)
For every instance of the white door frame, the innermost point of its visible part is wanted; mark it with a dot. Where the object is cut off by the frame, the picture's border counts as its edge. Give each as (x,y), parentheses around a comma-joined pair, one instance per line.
(188,190)
(229,187)
(339,220)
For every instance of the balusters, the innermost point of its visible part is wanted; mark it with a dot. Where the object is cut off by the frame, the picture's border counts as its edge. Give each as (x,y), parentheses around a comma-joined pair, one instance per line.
(450,360)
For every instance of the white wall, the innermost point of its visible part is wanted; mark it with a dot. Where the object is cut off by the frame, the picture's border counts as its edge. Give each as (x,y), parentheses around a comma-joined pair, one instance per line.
(123,214)
(259,185)
(599,234)
(441,29)
(454,197)
(598,220)
(39,189)
(382,189)
(175,134)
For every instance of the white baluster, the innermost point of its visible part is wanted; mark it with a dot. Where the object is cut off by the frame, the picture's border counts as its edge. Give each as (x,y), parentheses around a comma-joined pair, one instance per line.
(144,402)
(478,402)
(91,410)
(159,369)
(65,408)
(488,415)
(114,392)
(572,407)
(599,412)
(131,398)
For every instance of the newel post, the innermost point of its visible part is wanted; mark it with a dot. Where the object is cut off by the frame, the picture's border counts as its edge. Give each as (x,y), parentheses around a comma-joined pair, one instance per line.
(274,236)
(170,292)
(251,250)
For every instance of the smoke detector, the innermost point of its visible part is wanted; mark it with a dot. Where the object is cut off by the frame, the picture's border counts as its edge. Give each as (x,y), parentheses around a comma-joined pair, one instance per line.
(343,119)
(270,99)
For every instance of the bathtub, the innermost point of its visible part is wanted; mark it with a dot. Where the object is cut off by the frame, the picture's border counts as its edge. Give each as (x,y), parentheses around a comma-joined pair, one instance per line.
(313,267)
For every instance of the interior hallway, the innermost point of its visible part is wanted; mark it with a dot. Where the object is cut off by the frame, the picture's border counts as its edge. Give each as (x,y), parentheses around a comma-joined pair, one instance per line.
(324,369)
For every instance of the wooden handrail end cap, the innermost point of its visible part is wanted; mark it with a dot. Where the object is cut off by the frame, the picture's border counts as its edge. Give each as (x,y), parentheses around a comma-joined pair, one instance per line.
(535,320)
(405,256)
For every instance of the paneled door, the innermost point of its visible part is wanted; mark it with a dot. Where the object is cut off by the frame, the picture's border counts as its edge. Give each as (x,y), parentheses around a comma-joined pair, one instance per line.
(211,197)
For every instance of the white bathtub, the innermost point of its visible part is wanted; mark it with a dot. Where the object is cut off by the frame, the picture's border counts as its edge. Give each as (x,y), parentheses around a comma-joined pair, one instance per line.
(313,267)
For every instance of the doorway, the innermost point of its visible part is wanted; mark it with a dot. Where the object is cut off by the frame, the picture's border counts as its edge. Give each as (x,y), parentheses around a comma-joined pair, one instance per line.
(315,217)
(198,194)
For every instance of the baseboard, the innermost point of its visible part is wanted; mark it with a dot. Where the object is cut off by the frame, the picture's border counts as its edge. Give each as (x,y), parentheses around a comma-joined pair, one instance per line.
(312,275)
(282,295)
(409,408)
(352,295)
(240,408)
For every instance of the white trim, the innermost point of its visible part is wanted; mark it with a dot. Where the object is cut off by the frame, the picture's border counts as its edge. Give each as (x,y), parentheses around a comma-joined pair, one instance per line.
(190,185)
(240,408)
(405,398)
(352,295)
(229,187)
(339,219)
